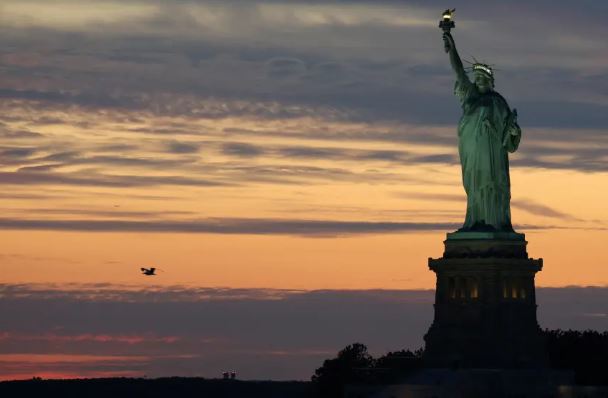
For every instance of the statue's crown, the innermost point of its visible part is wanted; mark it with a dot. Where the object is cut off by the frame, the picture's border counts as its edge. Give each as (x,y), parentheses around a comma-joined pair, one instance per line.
(478,67)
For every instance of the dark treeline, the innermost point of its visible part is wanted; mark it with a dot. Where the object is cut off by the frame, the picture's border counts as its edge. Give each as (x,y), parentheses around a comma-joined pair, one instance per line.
(586,353)
(354,365)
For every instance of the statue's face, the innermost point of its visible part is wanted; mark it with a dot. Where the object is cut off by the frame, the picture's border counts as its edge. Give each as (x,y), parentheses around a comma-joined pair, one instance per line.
(483,82)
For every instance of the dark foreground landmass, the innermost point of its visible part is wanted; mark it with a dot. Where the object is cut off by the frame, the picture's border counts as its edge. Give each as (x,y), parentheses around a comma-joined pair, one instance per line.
(182,387)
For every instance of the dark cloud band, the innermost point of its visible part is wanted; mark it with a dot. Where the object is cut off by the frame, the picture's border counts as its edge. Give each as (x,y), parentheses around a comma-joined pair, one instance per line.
(229,226)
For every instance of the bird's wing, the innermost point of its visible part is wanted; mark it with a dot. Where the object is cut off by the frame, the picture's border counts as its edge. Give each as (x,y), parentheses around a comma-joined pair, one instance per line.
(143,269)
(152,269)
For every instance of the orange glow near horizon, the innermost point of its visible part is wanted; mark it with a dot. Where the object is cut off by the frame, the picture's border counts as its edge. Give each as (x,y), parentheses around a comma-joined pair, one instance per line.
(368,262)
(60,375)
(52,366)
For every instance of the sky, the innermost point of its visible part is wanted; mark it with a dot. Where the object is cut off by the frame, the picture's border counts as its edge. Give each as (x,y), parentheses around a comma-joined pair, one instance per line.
(261,152)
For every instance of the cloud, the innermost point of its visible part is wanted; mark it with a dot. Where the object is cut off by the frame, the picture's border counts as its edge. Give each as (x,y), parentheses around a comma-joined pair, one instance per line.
(448,158)
(385,155)
(407,80)
(312,152)
(325,228)
(63,156)
(294,152)
(182,147)
(241,149)
(85,99)
(541,210)
(111,160)
(101,180)
(27,196)
(114,213)
(284,66)
(7,133)
(40,168)
(587,160)
(432,196)
(16,152)
(526,205)
(284,74)
(427,135)
(86,337)
(563,114)
(575,149)
(109,292)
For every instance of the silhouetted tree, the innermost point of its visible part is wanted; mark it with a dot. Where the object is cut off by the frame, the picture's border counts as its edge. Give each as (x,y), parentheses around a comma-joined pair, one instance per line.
(394,366)
(346,368)
(585,352)
(354,365)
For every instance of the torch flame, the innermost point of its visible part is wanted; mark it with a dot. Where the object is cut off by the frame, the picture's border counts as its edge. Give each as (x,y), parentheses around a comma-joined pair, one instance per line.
(447,14)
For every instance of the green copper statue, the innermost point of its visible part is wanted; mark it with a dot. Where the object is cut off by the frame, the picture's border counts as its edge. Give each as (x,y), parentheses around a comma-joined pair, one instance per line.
(487,131)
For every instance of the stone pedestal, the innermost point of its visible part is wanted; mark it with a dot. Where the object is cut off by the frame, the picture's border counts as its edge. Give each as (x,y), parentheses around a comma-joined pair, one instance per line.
(485,304)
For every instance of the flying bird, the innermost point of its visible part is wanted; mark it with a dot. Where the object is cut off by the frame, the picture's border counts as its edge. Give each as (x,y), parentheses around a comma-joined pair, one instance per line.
(148,271)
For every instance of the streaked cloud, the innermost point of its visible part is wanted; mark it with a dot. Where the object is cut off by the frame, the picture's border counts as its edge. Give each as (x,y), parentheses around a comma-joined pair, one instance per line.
(540,209)
(241,149)
(230,226)
(114,212)
(526,205)
(86,337)
(182,147)
(37,178)
(209,48)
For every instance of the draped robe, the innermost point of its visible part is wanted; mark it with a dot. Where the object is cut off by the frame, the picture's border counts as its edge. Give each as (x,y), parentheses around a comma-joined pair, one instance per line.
(486,133)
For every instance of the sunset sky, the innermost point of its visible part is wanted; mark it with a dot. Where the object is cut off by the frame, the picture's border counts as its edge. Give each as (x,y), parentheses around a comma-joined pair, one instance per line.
(268,155)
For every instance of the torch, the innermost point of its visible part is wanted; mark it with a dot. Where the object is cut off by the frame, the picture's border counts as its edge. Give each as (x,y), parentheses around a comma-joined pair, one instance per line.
(446,23)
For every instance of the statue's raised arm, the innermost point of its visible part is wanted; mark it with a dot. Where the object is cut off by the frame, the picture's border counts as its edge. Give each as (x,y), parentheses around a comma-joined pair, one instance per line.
(450,48)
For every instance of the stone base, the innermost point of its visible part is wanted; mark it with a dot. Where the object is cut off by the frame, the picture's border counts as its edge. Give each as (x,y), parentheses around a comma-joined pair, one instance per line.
(491,235)
(485,307)
(485,244)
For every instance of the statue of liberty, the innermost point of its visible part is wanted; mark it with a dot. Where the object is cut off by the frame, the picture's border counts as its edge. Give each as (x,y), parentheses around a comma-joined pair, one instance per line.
(487,131)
